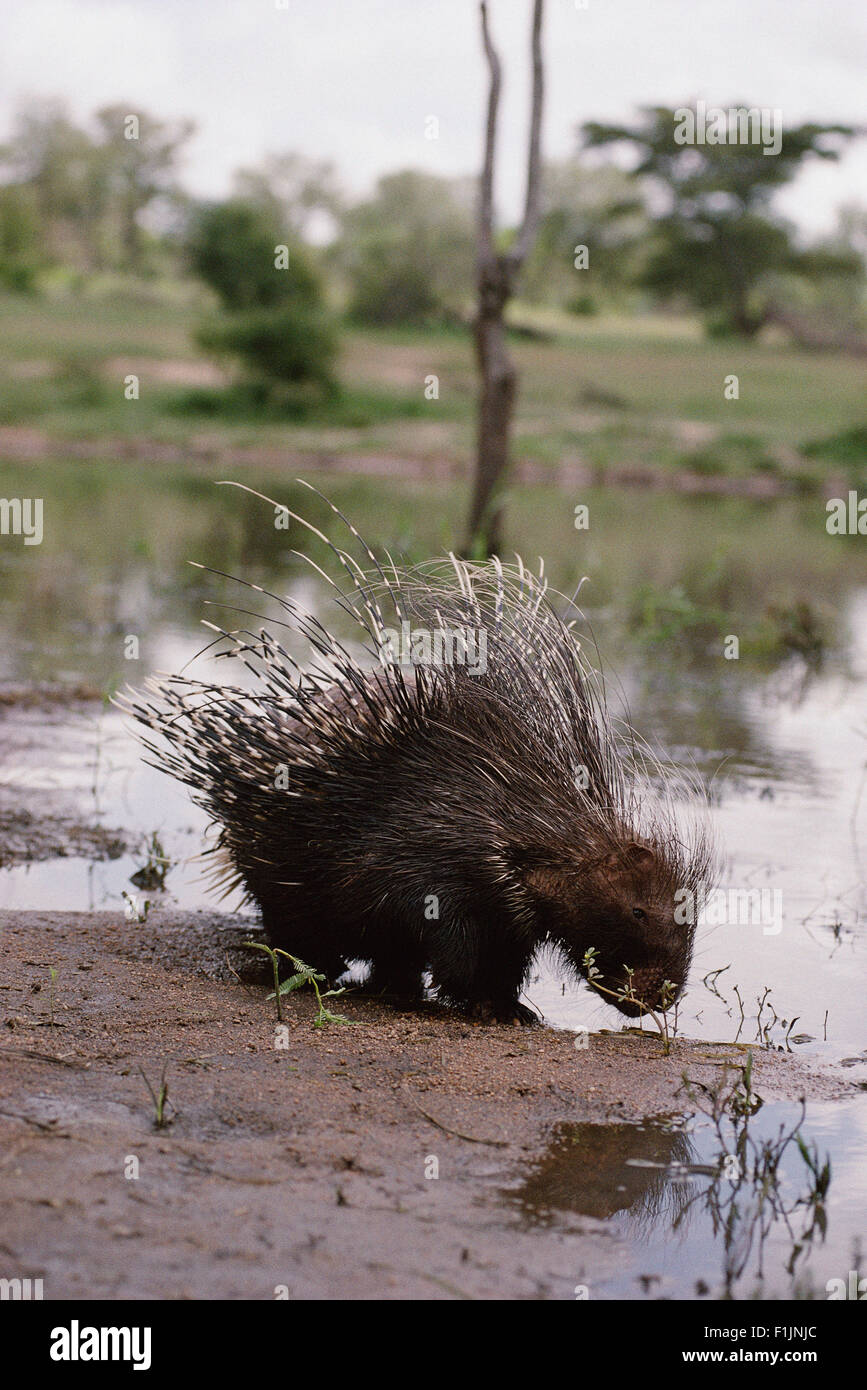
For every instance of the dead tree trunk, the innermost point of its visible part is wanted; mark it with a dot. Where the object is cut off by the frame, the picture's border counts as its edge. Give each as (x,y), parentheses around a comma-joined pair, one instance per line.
(496,275)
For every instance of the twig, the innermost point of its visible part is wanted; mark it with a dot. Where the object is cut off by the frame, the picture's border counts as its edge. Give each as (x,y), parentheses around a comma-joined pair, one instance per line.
(518,253)
(470,1138)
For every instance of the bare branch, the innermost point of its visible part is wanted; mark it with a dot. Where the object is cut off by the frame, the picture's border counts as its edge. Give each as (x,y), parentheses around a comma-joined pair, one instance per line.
(486,192)
(532,206)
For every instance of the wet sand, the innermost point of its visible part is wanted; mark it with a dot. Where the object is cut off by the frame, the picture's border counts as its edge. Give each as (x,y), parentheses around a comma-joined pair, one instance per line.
(300,1168)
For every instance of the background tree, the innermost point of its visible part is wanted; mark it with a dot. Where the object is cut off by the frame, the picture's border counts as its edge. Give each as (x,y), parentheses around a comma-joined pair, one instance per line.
(717,242)
(274,318)
(496,274)
(93,193)
(136,171)
(295,189)
(407,252)
(597,207)
(53,163)
(21,258)
(822,302)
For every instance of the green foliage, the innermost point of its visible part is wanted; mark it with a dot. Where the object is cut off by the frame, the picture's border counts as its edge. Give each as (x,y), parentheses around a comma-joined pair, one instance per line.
(625,994)
(133,169)
(231,246)
(731,454)
(20,256)
(275,320)
(304,975)
(72,385)
(695,617)
(287,345)
(665,615)
(848,447)
(160,1099)
(717,244)
(351,408)
(90,190)
(601,209)
(409,252)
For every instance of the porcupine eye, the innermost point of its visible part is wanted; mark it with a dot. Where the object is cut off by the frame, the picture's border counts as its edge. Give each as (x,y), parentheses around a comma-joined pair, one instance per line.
(639,913)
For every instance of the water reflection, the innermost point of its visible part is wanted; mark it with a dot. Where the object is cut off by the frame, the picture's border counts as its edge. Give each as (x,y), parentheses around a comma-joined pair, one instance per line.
(601,1170)
(738,1203)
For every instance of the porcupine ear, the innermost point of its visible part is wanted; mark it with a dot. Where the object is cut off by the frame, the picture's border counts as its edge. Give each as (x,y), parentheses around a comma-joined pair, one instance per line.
(640,857)
(635,859)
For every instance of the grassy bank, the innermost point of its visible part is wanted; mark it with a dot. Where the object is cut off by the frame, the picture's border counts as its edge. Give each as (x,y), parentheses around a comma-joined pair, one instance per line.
(611,396)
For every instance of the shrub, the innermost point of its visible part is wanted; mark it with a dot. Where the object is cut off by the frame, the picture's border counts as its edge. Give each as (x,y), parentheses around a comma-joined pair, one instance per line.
(289,343)
(274,318)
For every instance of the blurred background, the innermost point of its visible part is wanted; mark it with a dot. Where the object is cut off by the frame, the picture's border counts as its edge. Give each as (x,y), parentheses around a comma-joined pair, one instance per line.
(240,242)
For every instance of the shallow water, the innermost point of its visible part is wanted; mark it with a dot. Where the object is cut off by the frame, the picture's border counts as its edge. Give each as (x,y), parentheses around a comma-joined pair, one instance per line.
(682,1229)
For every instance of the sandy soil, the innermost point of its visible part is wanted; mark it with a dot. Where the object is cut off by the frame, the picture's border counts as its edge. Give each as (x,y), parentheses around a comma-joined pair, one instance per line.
(302,1166)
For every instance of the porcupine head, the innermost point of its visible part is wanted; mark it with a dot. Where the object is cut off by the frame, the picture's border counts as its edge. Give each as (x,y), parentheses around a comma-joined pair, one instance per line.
(622,919)
(602,858)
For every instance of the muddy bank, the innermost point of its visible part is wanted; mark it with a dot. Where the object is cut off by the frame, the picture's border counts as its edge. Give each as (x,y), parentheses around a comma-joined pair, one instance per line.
(28,838)
(302,1165)
(28,444)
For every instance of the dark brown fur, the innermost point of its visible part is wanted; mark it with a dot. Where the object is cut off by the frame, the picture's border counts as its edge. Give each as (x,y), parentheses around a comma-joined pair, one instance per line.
(430,819)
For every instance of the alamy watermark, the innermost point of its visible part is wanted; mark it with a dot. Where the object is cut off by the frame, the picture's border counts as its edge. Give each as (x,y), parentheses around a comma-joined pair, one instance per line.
(419,646)
(733,125)
(743,907)
(77,1343)
(846,516)
(21,1290)
(854,1287)
(22,516)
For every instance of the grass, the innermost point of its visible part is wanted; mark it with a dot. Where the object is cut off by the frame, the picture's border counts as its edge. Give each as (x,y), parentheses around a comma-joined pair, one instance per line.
(611,393)
(160,1099)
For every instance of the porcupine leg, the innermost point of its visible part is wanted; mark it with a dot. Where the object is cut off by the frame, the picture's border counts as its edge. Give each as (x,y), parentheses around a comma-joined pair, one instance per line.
(399,974)
(310,946)
(487,985)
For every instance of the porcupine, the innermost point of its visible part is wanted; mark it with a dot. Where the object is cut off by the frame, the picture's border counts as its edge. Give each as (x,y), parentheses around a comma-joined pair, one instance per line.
(440,816)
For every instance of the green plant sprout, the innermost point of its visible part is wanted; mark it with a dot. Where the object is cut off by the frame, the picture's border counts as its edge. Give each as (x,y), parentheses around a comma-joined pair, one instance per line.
(626,994)
(304,975)
(160,1099)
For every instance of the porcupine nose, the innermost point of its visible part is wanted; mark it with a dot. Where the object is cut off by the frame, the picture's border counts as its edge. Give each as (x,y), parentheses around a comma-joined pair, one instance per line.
(647,988)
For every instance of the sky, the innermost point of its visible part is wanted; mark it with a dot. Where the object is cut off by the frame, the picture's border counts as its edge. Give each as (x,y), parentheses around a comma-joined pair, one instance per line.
(354,81)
